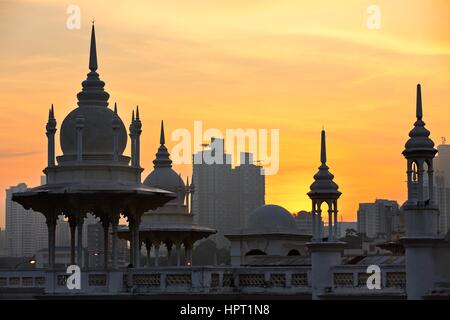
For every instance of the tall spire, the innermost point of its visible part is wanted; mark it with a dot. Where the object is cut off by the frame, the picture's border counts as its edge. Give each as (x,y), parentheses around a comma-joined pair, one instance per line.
(93,93)
(93,51)
(323,180)
(162,139)
(323,148)
(115,107)
(419,137)
(162,156)
(137,112)
(419,103)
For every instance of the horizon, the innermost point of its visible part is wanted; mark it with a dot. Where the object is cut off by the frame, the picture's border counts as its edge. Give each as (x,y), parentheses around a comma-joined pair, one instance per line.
(294,75)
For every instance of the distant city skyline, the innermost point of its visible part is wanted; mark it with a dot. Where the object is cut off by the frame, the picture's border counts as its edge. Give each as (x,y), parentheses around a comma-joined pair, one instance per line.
(244,74)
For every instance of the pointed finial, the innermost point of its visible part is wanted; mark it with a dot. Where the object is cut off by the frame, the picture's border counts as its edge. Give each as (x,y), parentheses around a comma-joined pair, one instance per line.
(419,103)
(323,148)
(51,112)
(162,139)
(132,116)
(93,51)
(137,112)
(115,107)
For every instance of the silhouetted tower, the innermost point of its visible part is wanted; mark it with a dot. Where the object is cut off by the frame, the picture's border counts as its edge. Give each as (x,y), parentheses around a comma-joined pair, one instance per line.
(419,153)
(324,190)
(421,213)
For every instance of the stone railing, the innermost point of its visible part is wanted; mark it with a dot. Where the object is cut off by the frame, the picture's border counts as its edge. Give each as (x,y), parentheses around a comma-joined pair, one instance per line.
(157,280)
(353,278)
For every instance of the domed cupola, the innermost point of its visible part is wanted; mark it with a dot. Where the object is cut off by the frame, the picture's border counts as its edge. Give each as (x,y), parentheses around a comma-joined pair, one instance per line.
(419,144)
(96,129)
(163,176)
(271,217)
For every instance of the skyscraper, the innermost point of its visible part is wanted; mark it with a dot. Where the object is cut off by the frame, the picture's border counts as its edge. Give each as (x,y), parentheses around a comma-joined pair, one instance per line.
(26,231)
(224,196)
(442,186)
(377,219)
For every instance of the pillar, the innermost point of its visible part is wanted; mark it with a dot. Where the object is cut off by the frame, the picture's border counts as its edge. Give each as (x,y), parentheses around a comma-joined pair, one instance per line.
(330,223)
(105,224)
(80,222)
(178,252)
(314,223)
(135,243)
(148,247)
(188,251)
(157,244)
(169,252)
(335,212)
(114,223)
(51,227)
(73,226)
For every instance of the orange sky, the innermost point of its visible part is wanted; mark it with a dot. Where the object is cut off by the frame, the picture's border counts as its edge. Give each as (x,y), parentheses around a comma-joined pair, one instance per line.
(293,65)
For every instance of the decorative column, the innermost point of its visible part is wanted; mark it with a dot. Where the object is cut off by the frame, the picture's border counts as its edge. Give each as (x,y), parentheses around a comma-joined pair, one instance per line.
(105,224)
(80,221)
(156,245)
(430,182)
(319,227)
(72,226)
(335,212)
(148,247)
(51,227)
(51,130)
(178,252)
(169,252)
(135,241)
(330,223)
(114,224)
(79,127)
(188,251)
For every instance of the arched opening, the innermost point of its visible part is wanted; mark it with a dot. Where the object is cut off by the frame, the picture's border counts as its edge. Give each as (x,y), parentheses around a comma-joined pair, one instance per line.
(293,252)
(255,252)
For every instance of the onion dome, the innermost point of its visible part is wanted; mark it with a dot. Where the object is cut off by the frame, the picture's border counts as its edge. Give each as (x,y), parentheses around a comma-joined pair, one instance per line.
(98,136)
(163,176)
(323,185)
(419,144)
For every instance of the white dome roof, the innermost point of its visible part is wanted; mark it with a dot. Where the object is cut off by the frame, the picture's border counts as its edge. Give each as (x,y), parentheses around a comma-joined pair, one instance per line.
(271,217)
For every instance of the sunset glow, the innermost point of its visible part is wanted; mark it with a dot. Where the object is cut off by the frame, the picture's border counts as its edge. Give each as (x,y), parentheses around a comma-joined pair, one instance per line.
(290,65)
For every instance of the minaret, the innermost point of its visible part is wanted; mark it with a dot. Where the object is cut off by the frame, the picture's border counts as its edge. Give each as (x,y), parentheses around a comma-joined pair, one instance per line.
(324,254)
(324,191)
(138,131)
(132,140)
(421,212)
(51,130)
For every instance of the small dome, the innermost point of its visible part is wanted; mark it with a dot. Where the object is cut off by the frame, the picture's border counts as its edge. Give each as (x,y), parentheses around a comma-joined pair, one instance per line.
(271,216)
(165,178)
(98,136)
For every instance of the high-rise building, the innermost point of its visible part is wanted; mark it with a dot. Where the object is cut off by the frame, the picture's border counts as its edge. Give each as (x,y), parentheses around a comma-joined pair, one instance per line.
(224,196)
(442,186)
(96,251)
(378,219)
(2,243)
(26,231)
